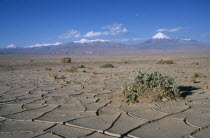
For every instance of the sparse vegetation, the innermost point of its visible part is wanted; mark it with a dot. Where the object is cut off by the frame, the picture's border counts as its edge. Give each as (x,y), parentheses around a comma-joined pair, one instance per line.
(65,60)
(55,76)
(31,60)
(84,71)
(150,87)
(81,66)
(47,69)
(107,65)
(165,61)
(198,75)
(72,69)
(124,61)
(195,63)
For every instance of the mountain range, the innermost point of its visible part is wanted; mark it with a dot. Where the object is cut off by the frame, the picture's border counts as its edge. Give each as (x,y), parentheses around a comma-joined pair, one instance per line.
(99,47)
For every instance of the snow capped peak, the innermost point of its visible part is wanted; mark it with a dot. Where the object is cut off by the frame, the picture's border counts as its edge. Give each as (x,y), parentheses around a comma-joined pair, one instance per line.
(160,36)
(11,46)
(45,44)
(89,41)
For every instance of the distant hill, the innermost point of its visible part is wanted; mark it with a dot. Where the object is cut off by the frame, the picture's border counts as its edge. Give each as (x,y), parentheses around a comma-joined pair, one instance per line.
(101,47)
(161,41)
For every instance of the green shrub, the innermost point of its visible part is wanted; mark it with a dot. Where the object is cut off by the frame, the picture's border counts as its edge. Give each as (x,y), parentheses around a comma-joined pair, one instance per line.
(165,61)
(150,87)
(107,65)
(65,60)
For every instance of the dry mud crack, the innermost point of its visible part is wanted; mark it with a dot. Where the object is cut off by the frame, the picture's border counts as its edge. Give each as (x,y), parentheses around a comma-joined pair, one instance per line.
(32,105)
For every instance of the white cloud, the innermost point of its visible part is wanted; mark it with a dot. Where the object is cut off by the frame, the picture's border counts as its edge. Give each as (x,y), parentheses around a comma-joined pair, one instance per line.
(69,34)
(11,46)
(45,44)
(92,34)
(162,30)
(170,30)
(89,41)
(116,29)
(175,29)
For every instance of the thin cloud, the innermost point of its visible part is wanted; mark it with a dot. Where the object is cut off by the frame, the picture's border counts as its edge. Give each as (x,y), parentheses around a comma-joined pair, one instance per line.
(89,41)
(70,34)
(92,34)
(170,30)
(116,29)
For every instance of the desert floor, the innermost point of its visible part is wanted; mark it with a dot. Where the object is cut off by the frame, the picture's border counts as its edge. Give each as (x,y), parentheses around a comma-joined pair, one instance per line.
(85,103)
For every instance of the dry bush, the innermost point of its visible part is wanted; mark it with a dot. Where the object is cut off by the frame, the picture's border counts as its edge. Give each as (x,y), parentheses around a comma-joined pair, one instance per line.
(198,75)
(65,60)
(107,65)
(31,60)
(165,61)
(55,76)
(124,61)
(47,69)
(195,63)
(81,66)
(151,87)
(72,69)
(84,71)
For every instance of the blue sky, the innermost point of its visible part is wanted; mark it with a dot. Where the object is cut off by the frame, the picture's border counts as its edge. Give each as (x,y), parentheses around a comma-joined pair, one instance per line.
(29,22)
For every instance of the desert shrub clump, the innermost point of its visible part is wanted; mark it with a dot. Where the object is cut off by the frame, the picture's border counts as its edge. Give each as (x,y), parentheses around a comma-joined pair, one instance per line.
(195,63)
(72,69)
(65,60)
(198,75)
(165,61)
(152,87)
(55,76)
(81,66)
(107,65)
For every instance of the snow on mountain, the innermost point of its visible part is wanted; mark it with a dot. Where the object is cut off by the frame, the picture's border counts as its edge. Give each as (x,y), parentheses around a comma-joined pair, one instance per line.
(45,44)
(160,36)
(11,46)
(90,41)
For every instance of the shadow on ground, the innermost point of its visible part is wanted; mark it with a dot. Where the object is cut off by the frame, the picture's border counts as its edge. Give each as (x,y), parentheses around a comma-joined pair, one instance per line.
(187,90)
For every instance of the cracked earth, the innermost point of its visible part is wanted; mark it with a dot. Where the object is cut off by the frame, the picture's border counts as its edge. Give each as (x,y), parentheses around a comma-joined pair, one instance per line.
(85,103)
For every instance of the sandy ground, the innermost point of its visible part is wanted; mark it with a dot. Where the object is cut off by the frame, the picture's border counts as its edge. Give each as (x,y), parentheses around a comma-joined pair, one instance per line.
(84,103)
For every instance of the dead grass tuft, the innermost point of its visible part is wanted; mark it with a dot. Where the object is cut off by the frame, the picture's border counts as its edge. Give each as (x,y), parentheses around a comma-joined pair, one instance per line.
(65,60)
(72,69)
(165,61)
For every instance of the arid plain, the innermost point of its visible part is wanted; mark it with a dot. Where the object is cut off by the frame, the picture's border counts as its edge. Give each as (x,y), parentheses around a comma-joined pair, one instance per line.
(85,102)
